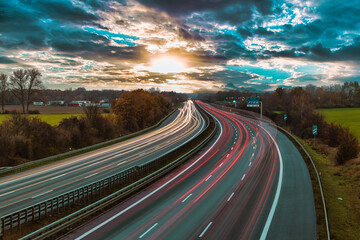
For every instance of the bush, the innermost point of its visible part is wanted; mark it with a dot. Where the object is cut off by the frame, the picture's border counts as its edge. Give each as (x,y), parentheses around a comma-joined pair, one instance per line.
(349,147)
(334,133)
(34,112)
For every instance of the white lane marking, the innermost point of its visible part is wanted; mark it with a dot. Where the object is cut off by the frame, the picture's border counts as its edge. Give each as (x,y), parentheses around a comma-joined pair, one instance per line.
(234,143)
(203,232)
(208,178)
(58,176)
(122,163)
(92,164)
(42,194)
(232,148)
(277,194)
(230,196)
(148,230)
(243,176)
(250,164)
(254,147)
(156,190)
(227,155)
(6,193)
(156,147)
(252,154)
(91,175)
(186,197)
(221,164)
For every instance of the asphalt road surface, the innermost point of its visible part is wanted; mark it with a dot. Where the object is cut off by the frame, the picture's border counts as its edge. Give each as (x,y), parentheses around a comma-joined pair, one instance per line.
(28,188)
(250,182)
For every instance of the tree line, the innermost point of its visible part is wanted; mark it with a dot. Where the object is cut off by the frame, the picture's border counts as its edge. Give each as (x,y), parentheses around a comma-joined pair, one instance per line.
(24,138)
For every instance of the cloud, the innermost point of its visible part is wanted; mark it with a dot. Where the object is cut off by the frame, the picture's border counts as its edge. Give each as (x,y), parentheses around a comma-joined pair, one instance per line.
(269,43)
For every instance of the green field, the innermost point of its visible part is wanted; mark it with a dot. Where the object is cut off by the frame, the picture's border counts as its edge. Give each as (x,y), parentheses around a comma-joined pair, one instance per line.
(349,117)
(52,119)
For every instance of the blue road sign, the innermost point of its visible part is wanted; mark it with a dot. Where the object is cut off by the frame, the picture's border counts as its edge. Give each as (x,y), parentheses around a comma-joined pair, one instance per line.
(314,130)
(252,101)
(285,117)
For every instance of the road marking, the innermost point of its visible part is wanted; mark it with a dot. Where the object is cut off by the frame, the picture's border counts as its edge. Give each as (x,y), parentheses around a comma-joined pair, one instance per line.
(58,176)
(148,230)
(207,227)
(252,154)
(208,178)
(156,190)
(227,155)
(234,143)
(221,164)
(250,164)
(186,197)
(6,193)
(232,148)
(92,164)
(243,176)
(42,194)
(91,175)
(277,194)
(122,163)
(230,196)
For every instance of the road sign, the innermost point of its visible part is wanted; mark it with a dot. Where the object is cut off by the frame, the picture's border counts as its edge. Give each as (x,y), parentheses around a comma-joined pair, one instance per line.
(314,130)
(252,101)
(285,117)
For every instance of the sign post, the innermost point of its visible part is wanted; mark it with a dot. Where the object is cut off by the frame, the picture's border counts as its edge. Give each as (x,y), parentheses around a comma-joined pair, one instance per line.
(254,102)
(285,118)
(315,131)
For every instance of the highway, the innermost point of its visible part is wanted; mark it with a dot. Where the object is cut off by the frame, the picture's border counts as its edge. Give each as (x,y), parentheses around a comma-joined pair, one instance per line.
(250,182)
(28,188)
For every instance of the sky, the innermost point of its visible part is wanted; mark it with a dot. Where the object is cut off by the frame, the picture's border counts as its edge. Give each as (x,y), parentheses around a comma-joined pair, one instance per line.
(184,46)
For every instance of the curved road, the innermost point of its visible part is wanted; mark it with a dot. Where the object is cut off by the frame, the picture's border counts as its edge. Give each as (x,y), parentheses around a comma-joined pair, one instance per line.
(249,183)
(28,188)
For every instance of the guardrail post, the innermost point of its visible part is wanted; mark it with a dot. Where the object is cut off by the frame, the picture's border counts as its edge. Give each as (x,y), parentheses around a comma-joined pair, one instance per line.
(2,226)
(19,220)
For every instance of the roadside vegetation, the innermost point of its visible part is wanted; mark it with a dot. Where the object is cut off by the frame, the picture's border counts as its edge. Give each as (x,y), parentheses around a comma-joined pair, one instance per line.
(25,137)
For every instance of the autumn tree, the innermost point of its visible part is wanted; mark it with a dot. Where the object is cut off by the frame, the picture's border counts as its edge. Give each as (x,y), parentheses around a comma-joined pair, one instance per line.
(3,89)
(23,83)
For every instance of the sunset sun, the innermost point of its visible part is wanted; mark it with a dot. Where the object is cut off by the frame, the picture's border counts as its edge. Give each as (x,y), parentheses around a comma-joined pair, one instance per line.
(168,64)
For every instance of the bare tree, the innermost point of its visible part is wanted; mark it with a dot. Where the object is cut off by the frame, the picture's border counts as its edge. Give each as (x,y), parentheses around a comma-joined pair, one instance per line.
(3,89)
(23,83)
(34,82)
(18,85)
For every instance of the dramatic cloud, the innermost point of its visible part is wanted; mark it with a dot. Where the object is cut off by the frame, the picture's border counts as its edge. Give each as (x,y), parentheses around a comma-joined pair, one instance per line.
(219,44)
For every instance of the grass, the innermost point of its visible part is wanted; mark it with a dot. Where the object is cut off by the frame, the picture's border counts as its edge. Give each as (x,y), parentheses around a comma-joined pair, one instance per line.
(348,117)
(52,119)
(341,191)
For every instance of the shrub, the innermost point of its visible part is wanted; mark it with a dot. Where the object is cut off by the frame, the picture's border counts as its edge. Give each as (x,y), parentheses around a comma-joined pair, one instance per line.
(34,112)
(349,147)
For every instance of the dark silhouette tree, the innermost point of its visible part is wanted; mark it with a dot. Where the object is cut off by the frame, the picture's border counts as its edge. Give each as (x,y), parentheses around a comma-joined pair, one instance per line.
(3,88)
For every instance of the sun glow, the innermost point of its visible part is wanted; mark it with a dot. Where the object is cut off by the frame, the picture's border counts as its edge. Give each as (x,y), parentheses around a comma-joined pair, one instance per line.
(168,64)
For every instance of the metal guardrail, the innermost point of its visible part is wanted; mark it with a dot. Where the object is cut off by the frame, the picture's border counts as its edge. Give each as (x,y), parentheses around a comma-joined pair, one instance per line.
(43,161)
(83,195)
